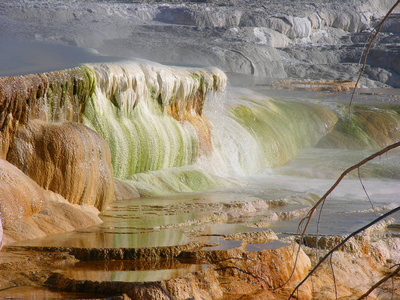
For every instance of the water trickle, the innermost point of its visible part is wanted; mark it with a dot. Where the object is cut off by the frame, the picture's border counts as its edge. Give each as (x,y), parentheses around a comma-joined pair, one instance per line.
(168,135)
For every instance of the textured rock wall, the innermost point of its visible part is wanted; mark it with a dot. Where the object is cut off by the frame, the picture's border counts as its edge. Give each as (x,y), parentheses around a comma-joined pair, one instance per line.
(28,211)
(66,158)
(20,195)
(263,38)
(42,135)
(48,96)
(37,135)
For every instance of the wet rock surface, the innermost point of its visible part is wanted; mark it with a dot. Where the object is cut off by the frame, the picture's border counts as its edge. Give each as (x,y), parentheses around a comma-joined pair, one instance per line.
(216,256)
(187,246)
(28,211)
(67,158)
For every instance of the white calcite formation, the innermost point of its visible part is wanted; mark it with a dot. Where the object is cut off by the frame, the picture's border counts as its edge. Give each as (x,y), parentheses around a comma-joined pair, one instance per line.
(266,39)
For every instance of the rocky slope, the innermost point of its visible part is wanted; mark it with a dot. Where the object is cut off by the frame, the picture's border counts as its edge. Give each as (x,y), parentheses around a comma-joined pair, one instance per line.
(267,39)
(252,264)
(56,173)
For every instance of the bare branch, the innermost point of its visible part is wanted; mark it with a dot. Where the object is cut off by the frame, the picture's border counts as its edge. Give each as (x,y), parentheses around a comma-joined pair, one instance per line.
(365,191)
(245,272)
(307,218)
(333,276)
(378,28)
(341,244)
(380,282)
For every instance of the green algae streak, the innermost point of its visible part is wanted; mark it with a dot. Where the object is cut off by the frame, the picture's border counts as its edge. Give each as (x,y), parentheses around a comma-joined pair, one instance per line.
(282,128)
(151,117)
(367,128)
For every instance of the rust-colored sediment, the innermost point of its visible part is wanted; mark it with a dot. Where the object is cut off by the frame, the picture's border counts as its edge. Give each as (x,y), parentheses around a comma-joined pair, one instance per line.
(191,110)
(234,273)
(226,273)
(67,158)
(52,96)
(28,211)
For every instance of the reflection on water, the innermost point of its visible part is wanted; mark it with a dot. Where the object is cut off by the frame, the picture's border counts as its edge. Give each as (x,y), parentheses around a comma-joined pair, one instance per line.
(130,276)
(275,199)
(170,221)
(219,244)
(96,237)
(33,293)
(267,246)
(160,222)
(348,207)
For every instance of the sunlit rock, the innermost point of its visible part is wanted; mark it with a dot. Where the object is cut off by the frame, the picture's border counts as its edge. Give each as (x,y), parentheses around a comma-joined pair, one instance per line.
(52,96)
(355,267)
(20,196)
(198,285)
(28,211)
(66,158)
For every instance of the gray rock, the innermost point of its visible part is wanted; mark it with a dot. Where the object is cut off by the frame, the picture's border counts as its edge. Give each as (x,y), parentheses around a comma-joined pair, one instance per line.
(392,24)
(239,36)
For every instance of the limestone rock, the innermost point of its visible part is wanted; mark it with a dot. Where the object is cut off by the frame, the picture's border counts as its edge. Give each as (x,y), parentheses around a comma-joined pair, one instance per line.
(67,158)
(267,268)
(367,129)
(238,36)
(20,196)
(52,96)
(28,211)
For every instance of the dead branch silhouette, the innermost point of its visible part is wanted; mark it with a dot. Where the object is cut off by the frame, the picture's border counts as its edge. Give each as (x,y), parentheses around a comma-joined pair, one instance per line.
(380,282)
(307,218)
(341,244)
(378,28)
(321,201)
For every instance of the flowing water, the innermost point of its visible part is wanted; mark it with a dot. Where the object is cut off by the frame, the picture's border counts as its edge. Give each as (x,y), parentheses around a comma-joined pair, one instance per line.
(226,163)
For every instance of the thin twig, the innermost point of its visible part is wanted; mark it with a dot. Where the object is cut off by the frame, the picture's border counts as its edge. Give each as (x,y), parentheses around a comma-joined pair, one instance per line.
(318,222)
(245,272)
(294,265)
(333,276)
(391,298)
(341,244)
(378,28)
(307,218)
(383,280)
(365,191)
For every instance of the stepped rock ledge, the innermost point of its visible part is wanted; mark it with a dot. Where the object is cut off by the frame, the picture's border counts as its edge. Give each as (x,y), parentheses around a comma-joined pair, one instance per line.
(256,42)
(80,134)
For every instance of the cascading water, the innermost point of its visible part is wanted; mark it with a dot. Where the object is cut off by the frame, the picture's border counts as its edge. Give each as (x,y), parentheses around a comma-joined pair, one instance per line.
(169,129)
(254,132)
(210,163)
(152,118)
